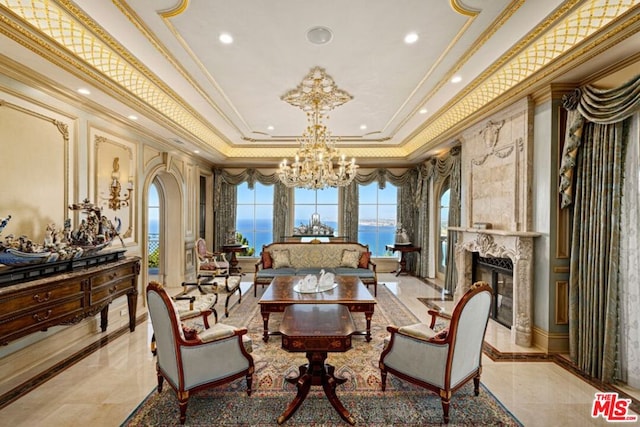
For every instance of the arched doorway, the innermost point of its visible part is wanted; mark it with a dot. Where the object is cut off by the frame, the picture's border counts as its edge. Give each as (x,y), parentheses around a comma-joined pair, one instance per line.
(443,224)
(154,222)
(164,230)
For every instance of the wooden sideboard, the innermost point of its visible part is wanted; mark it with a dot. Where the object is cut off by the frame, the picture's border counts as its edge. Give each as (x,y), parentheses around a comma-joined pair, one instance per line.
(68,298)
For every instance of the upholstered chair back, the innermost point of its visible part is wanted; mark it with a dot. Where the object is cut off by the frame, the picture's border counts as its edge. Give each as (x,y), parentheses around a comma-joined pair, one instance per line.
(166,326)
(468,335)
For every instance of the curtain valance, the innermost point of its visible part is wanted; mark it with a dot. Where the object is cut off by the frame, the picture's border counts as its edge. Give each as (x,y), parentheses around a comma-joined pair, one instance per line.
(602,106)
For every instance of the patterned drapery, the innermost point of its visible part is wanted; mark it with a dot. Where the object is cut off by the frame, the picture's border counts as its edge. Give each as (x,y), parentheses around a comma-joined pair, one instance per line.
(593,157)
(598,106)
(225,196)
(350,211)
(413,204)
(436,171)
(630,263)
(408,205)
(595,243)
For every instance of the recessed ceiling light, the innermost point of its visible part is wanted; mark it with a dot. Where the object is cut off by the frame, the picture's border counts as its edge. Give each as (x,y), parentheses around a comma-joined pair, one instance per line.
(225,38)
(84,91)
(196,151)
(319,35)
(133,117)
(363,127)
(411,38)
(270,127)
(423,111)
(456,79)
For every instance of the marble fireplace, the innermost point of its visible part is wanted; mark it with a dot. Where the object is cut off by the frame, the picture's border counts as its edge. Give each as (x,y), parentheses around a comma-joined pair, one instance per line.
(518,247)
(496,206)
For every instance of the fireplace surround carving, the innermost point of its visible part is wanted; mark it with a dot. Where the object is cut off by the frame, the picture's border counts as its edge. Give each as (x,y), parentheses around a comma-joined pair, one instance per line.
(518,247)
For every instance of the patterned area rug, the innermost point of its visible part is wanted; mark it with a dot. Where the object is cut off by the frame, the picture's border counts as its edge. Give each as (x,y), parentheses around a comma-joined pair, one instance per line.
(401,404)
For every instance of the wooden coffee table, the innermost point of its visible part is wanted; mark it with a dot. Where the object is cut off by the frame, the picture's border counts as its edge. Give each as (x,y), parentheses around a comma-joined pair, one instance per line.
(350,292)
(316,329)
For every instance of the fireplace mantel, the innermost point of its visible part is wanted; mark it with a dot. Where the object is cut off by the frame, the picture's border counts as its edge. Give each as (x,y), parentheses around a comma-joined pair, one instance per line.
(515,245)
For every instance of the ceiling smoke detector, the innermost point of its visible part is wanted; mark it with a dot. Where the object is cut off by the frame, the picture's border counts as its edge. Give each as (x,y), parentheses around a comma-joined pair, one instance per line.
(319,35)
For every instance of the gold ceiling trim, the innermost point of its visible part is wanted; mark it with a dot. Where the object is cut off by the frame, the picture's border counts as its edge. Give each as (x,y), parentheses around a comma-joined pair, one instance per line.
(133,17)
(544,48)
(174,11)
(282,152)
(69,27)
(462,9)
(500,20)
(205,71)
(432,68)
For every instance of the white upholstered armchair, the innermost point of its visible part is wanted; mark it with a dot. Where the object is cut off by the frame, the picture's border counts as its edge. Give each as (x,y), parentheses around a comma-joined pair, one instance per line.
(216,356)
(441,362)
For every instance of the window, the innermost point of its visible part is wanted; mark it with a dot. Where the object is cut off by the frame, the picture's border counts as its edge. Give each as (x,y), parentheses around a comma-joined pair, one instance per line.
(443,217)
(323,202)
(377,217)
(254,216)
(153,227)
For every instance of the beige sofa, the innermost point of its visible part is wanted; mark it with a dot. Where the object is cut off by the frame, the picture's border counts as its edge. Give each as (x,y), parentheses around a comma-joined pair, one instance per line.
(300,259)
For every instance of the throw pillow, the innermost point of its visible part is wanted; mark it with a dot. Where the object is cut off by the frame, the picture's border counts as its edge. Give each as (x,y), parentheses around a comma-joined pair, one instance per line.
(281,258)
(364,260)
(442,335)
(350,258)
(266,260)
(189,333)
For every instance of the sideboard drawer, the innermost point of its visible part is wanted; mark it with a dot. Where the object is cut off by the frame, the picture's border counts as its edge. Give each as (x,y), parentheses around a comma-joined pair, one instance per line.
(114,274)
(35,298)
(107,291)
(37,319)
(68,298)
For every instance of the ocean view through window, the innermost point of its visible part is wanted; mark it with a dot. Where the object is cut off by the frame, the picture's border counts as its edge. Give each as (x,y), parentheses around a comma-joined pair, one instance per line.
(377,217)
(254,216)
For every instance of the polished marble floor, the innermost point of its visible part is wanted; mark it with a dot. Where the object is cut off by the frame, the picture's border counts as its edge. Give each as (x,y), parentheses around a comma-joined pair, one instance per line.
(105,387)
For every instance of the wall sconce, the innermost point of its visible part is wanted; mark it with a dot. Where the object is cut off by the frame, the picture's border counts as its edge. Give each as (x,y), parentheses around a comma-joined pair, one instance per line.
(115,200)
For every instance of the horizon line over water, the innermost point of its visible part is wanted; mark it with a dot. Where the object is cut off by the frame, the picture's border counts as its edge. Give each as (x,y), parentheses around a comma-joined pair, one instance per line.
(376,237)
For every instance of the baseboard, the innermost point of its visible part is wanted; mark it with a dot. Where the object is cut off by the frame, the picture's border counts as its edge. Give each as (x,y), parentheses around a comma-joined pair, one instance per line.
(551,342)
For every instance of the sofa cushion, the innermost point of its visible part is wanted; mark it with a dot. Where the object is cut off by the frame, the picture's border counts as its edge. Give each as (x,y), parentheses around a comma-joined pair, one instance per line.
(272,272)
(350,258)
(312,270)
(348,271)
(266,260)
(364,260)
(281,258)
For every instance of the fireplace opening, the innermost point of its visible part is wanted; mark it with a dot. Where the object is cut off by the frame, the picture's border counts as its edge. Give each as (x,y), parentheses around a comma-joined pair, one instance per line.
(499,273)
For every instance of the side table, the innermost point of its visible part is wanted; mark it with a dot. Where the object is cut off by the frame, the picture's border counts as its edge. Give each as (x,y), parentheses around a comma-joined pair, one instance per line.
(316,329)
(403,249)
(233,263)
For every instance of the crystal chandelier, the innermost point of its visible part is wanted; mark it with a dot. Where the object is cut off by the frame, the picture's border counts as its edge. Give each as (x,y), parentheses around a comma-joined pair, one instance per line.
(317,164)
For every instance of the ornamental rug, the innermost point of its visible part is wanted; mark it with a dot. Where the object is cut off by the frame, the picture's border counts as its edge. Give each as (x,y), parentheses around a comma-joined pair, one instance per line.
(401,404)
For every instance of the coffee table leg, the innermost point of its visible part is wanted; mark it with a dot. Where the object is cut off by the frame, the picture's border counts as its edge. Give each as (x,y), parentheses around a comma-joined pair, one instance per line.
(329,383)
(304,385)
(368,315)
(316,372)
(265,321)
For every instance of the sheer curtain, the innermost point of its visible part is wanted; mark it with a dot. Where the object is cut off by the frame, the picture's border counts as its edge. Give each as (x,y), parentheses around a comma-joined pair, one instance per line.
(630,263)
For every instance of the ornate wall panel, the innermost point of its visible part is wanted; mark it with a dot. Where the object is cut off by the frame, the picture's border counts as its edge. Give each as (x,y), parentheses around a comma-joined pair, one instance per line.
(35,189)
(115,160)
